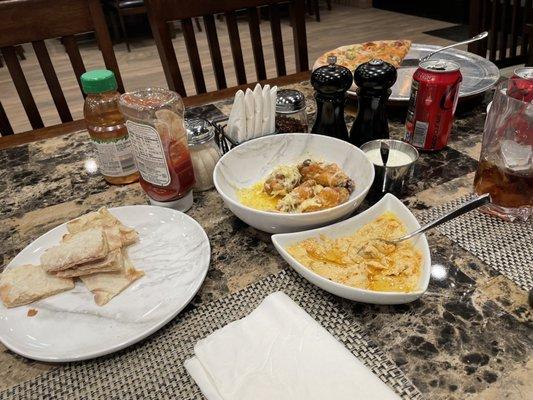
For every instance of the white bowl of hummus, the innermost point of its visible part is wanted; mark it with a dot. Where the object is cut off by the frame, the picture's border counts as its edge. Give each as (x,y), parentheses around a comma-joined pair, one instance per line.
(292,182)
(345,260)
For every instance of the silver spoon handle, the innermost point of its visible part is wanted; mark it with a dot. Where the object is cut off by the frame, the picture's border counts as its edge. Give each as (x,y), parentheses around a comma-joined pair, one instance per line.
(482,35)
(468,206)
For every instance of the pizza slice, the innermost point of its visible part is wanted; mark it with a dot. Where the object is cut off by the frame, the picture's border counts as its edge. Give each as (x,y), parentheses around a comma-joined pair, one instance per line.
(391,51)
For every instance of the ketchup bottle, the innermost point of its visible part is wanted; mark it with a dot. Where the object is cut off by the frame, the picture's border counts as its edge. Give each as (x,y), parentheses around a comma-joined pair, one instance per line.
(155,122)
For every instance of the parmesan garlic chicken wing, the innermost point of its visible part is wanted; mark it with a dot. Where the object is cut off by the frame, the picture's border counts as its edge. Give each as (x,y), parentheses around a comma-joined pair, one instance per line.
(282,180)
(310,196)
(325,174)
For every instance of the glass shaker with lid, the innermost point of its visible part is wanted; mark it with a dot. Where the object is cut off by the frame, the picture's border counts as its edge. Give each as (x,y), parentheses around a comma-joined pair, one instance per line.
(291,115)
(155,122)
(204,151)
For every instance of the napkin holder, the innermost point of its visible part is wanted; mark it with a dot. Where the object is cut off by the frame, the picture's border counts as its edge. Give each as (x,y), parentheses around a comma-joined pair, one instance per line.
(224,142)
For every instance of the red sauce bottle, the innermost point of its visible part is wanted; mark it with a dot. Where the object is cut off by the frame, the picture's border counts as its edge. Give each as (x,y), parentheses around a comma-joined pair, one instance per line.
(155,122)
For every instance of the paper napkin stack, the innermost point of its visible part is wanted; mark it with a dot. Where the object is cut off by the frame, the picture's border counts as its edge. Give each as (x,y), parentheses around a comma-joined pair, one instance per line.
(280,352)
(253,113)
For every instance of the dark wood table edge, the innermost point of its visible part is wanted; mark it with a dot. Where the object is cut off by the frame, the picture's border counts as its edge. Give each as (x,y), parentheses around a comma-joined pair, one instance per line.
(193,101)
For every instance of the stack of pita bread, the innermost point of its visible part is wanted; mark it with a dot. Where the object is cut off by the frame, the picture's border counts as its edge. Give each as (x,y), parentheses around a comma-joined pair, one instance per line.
(93,250)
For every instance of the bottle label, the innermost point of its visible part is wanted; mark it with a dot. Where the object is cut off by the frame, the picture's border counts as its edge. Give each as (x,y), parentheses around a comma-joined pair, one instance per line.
(115,158)
(149,153)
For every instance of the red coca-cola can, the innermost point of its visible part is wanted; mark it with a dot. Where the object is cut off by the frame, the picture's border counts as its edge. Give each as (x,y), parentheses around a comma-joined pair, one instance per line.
(434,95)
(521,84)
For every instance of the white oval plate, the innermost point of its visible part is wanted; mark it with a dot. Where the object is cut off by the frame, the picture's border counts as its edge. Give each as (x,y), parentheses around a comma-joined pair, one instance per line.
(173,251)
(388,203)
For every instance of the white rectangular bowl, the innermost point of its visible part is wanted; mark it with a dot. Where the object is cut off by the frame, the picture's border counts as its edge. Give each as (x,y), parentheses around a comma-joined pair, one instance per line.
(388,203)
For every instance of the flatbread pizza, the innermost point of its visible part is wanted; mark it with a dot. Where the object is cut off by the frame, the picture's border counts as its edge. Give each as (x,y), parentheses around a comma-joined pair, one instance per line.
(351,56)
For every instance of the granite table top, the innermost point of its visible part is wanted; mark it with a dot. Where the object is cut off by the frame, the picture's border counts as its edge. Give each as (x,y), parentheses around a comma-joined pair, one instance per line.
(469,336)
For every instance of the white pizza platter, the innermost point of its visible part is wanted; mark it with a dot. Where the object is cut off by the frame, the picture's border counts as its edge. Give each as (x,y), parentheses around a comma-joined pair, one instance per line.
(173,251)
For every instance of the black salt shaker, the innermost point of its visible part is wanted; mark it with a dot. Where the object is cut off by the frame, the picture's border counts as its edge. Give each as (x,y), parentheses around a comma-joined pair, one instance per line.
(374,80)
(331,83)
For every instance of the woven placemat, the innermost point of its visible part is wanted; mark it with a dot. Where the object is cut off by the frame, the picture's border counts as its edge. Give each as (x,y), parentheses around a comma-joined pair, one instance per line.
(505,246)
(154,368)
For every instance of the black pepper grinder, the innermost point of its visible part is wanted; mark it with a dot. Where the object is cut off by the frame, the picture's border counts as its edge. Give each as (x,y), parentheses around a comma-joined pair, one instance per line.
(374,80)
(331,83)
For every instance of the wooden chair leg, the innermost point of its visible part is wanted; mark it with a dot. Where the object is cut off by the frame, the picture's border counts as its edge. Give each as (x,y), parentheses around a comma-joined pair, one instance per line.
(316,9)
(124,33)
(309,6)
(328,2)
(20,52)
(5,126)
(198,24)
(529,54)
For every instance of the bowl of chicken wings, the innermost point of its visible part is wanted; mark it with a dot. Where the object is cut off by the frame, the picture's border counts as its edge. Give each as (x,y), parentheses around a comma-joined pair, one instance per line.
(293,182)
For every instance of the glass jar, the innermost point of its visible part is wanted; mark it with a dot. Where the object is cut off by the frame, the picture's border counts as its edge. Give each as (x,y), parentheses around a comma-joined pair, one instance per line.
(204,152)
(505,167)
(107,128)
(155,122)
(291,114)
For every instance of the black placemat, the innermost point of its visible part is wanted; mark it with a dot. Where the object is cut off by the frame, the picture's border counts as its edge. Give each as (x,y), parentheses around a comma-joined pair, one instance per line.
(505,246)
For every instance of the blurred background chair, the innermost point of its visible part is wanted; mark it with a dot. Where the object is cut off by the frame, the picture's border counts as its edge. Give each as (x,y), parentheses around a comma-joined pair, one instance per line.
(161,13)
(313,8)
(506,21)
(25,21)
(124,8)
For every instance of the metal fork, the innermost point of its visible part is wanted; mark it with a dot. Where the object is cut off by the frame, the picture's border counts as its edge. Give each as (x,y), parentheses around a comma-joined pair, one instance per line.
(468,206)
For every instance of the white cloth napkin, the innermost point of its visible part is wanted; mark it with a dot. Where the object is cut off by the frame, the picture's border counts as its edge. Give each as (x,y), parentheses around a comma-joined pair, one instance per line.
(237,119)
(249,107)
(258,111)
(253,113)
(280,352)
(273,94)
(265,126)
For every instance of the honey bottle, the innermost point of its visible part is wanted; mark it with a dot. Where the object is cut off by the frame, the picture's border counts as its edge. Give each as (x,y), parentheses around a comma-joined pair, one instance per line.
(107,127)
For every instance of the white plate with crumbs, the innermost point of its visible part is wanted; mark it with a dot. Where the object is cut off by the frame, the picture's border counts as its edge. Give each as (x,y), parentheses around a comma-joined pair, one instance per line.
(389,203)
(174,253)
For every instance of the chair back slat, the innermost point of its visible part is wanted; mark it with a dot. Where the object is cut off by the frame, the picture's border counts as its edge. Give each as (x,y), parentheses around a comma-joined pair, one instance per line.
(214,51)
(504,28)
(22,87)
(257,45)
(236,49)
(194,56)
(277,40)
(527,18)
(515,23)
(51,80)
(104,40)
(161,12)
(73,52)
(163,41)
(299,34)
(493,37)
(506,21)
(5,126)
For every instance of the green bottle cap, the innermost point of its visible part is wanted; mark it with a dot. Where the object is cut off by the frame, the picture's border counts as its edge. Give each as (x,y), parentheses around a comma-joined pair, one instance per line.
(98,81)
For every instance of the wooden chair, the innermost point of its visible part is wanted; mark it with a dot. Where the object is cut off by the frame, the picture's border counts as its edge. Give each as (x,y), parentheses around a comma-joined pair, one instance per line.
(506,22)
(162,12)
(34,21)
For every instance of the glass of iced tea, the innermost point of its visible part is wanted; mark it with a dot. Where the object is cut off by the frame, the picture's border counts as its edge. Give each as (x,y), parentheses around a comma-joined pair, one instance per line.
(506,166)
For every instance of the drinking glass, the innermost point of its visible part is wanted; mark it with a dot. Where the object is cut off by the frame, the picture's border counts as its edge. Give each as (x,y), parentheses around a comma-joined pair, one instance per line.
(505,167)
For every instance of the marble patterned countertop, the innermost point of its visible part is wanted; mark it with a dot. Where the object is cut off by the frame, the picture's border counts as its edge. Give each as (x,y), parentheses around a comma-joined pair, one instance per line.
(469,336)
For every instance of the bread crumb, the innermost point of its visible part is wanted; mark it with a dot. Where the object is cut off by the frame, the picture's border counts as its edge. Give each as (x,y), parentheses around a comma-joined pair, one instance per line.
(32,312)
